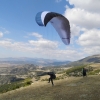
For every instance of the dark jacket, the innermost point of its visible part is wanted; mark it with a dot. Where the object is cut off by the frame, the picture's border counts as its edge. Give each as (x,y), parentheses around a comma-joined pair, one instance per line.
(84,72)
(52,75)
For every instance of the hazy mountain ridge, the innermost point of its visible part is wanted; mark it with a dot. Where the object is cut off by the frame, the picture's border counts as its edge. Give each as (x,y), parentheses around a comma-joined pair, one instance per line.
(49,62)
(36,61)
(86,60)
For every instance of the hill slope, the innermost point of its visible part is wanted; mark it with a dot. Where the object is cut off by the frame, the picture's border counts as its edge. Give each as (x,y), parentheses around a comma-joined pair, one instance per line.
(86,60)
(78,88)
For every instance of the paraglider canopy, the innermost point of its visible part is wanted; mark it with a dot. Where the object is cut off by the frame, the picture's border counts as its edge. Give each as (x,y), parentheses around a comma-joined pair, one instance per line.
(58,21)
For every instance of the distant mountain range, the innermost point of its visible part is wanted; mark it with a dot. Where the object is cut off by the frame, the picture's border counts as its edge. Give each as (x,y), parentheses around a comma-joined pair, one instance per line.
(86,60)
(36,61)
(50,62)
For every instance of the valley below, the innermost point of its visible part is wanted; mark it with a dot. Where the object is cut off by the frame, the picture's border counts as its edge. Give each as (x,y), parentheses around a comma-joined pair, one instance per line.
(21,81)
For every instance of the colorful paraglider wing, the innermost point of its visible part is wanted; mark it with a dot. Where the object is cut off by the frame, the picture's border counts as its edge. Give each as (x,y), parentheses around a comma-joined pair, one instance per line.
(59,22)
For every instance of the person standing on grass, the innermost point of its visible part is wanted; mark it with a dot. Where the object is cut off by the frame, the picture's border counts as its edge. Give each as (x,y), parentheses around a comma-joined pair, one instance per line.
(84,72)
(52,76)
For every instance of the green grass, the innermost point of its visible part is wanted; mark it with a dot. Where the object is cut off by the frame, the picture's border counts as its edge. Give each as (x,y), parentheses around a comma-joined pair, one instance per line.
(94,72)
(15,85)
(75,69)
(72,88)
(57,78)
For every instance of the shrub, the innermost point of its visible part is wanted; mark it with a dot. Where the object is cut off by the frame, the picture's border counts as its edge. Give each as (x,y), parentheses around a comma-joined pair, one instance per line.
(94,72)
(14,85)
(75,69)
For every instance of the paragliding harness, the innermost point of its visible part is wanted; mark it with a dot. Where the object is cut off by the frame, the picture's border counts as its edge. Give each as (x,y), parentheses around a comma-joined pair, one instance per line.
(52,75)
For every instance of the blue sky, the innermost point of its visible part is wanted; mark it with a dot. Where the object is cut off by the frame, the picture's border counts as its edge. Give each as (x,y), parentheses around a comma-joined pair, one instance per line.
(20,36)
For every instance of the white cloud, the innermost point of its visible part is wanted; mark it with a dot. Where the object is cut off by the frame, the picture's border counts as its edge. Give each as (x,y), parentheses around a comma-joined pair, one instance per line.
(85,24)
(92,51)
(83,18)
(90,41)
(42,43)
(45,44)
(37,35)
(1,34)
(75,30)
(89,5)
(12,45)
(90,38)
(68,54)
(42,48)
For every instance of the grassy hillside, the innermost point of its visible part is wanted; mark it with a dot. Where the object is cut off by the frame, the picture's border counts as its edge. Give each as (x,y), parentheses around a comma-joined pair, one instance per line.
(72,88)
(87,60)
(66,86)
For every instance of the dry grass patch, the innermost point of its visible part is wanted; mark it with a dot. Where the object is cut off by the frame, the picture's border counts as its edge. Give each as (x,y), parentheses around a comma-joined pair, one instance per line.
(73,88)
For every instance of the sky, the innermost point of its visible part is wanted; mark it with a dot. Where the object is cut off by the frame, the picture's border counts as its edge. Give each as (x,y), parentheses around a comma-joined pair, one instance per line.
(21,36)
